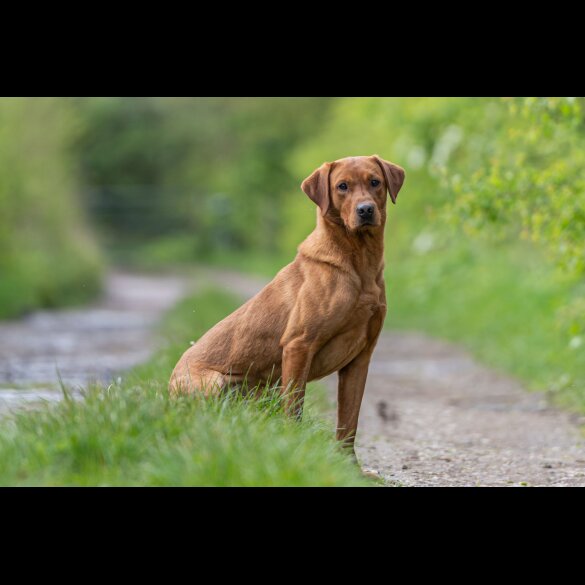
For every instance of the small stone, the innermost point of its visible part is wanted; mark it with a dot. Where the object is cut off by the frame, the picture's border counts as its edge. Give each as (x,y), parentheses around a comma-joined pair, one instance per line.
(372,473)
(405,467)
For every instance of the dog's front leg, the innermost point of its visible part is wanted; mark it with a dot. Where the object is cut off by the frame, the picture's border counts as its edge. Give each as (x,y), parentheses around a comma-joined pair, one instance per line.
(297,356)
(352,382)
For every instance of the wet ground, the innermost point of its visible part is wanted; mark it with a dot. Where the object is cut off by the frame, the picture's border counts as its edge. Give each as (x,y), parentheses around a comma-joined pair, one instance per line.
(84,345)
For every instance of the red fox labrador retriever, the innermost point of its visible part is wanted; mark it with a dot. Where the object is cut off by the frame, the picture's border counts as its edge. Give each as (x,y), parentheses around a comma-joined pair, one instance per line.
(322,313)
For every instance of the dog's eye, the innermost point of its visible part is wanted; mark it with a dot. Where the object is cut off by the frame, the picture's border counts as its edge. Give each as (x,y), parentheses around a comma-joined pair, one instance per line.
(374,182)
(342,186)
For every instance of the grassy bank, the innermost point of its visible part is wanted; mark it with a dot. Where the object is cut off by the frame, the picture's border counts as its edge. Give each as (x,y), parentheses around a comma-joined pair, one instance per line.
(132,434)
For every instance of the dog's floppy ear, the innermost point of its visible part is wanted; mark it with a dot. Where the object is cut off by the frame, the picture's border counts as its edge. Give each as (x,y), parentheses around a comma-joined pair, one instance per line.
(393,174)
(316,186)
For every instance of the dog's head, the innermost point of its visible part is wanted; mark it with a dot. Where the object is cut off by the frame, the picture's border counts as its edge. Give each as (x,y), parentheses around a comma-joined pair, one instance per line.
(352,190)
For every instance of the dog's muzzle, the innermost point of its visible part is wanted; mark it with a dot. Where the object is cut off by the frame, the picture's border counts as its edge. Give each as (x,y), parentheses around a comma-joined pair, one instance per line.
(365,213)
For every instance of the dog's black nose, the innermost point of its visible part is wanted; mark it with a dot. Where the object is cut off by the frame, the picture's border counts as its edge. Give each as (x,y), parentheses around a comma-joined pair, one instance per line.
(365,210)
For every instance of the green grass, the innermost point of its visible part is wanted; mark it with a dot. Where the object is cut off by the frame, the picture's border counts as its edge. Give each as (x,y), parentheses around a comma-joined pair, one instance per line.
(132,434)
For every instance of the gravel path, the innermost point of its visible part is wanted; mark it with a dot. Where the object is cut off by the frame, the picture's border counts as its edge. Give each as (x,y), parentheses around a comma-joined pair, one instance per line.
(86,344)
(433,416)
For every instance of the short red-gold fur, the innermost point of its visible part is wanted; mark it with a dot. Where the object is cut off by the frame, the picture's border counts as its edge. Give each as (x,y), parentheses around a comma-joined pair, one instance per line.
(322,313)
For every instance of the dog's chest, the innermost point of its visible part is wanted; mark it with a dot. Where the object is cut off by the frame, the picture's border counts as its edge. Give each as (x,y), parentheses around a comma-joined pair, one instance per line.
(369,301)
(353,336)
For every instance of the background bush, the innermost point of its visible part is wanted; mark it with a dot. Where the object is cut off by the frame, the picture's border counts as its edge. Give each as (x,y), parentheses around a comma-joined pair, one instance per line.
(199,170)
(47,256)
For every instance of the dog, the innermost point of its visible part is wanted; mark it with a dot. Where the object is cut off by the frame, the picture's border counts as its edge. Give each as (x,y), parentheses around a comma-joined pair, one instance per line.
(322,313)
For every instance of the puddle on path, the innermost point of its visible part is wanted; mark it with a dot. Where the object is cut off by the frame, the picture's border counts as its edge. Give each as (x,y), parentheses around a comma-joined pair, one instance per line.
(84,345)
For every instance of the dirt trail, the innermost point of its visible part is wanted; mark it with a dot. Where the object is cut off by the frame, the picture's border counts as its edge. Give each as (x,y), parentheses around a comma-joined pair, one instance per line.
(433,416)
(91,343)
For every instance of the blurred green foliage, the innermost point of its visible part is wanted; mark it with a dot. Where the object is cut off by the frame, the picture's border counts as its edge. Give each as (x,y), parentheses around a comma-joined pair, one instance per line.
(214,169)
(527,177)
(183,178)
(47,257)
